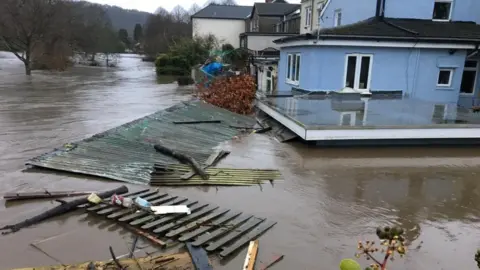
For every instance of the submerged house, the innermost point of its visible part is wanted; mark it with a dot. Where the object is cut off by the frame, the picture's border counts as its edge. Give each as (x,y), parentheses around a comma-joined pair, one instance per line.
(422,49)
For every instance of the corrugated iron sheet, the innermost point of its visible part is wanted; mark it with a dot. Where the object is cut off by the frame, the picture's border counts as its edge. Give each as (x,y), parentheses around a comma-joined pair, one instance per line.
(126,153)
(170,176)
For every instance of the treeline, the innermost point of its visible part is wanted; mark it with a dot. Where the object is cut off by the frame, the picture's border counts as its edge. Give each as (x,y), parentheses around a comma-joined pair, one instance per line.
(44,34)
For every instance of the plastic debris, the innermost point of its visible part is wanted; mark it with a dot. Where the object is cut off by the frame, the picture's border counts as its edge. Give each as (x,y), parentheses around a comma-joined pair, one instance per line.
(169,209)
(142,202)
(122,201)
(93,198)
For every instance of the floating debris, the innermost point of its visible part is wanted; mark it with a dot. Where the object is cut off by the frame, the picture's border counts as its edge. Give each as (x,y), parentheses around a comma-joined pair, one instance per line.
(199,257)
(126,153)
(251,255)
(12,196)
(219,230)
(166,262)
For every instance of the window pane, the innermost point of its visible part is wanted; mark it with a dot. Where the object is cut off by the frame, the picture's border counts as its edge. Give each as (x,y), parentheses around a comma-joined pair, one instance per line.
(339,19)
(294,65)
(444,77)
(297,78)
(351,66)
(269,85)
(441,11)
(289,64)
(364,69)
(472,64)
(468,82)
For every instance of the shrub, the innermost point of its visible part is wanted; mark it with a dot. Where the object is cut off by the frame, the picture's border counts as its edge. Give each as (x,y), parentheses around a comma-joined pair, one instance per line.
(185,80)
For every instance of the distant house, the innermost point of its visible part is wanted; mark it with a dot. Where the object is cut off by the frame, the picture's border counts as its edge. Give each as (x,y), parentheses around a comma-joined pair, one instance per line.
(423,49)
(226,22)
(311,13)
(268,22)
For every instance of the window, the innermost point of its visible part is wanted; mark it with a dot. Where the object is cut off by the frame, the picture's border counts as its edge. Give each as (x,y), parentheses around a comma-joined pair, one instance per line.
(308,16)
(293,68)
(469,78)
(337,18)
(442,10)
(358,69)
(445,77)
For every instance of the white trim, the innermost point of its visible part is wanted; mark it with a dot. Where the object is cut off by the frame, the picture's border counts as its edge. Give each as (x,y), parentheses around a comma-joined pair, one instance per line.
(383,44)
(398,133)
(369,134)
(449,13)
(325,8)
(291,77)
(297,129)
(475,80)
(336,14)
(451,70)
(358,66)
(308,19)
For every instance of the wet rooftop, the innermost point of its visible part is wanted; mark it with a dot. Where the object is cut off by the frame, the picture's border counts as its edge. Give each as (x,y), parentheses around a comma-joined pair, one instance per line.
(333,112)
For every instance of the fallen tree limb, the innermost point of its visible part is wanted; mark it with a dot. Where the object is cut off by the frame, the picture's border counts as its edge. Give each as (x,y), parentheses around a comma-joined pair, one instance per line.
(211,161)
(63,208)
(10,196)
(183,159)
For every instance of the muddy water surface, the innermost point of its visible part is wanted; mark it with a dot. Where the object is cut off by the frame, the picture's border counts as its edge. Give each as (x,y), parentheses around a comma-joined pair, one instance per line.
(329,199)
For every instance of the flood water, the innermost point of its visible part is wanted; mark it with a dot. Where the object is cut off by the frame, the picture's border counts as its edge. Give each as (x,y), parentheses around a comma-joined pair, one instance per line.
(329,198)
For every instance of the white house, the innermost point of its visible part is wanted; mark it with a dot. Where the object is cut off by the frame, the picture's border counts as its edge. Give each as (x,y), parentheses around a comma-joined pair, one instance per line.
(226,22)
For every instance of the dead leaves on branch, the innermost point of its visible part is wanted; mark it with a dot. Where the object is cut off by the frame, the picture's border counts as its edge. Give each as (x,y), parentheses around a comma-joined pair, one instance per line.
(234,93)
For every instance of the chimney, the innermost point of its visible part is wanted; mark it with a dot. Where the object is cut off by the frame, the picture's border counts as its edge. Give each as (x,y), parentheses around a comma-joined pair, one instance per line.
(268,1)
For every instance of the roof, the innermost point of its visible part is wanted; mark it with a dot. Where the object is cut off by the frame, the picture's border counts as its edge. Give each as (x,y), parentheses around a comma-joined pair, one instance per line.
(274,9)
(398,30)
(229,12)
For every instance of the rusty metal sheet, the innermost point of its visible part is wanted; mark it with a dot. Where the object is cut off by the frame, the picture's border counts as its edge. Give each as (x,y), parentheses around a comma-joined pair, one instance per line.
(202,239)
(181,221)
(234,234)
(196,223)
(210,226)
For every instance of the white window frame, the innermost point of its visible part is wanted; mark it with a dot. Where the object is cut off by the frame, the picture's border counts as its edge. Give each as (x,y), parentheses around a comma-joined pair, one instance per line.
(337,14)
(292,78)
(449,79)
(449,13)
(358,67)
(308,16)
(476,77)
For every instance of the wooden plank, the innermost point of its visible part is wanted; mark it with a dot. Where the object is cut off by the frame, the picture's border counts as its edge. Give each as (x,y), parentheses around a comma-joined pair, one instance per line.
(113,208)
(125,211)
(171,217)
(234,234)
(199,257)
(247,237)
(202,239)
(196,223)
(213,159)
(140,213)
(97,207)
(185,219)
(211,226)
(197,122)
(251,255)
(178,200)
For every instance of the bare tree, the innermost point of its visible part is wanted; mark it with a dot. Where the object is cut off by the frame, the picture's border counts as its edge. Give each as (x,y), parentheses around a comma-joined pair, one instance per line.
(194,9)
(23,25)
(180,14)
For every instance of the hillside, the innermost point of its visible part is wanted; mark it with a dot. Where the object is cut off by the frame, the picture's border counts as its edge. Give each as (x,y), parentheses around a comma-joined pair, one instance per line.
(124,18)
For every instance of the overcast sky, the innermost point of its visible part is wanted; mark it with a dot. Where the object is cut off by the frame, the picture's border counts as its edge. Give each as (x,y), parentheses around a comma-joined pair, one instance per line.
(152,5)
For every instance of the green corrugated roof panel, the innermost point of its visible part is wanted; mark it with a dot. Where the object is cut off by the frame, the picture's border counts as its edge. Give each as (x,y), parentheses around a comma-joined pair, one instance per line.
(126,153)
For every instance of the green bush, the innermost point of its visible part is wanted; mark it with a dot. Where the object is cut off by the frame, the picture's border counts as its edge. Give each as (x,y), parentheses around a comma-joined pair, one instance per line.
(185,80)
(171,70)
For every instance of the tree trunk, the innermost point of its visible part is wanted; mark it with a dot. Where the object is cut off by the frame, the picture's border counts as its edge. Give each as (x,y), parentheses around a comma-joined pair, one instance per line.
(28,69)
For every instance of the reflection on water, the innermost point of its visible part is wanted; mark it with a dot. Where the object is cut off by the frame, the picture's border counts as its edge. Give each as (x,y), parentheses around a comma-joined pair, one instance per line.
(328,200)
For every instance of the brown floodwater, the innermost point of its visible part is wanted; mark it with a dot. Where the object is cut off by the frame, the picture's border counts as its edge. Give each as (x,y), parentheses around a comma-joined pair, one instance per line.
(328,199)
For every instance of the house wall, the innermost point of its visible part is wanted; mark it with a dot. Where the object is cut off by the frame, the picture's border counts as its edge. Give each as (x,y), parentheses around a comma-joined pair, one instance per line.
(352,11)
(227,31)
(261,42)
(315,14)
(463,10)
(412,71)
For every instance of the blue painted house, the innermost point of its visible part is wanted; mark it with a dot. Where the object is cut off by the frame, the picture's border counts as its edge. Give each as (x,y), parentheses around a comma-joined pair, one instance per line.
(424,49)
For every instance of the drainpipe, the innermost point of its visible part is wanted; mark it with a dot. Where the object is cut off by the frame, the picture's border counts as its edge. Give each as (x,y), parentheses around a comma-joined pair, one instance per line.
(311,16)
